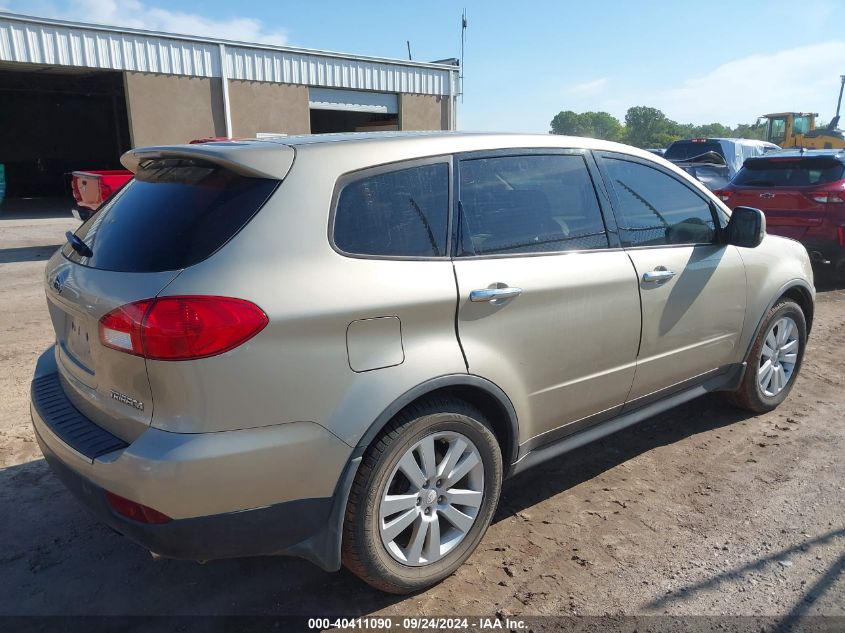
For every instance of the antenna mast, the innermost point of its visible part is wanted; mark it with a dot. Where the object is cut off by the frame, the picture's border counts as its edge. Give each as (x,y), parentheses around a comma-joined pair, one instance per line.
(463,43)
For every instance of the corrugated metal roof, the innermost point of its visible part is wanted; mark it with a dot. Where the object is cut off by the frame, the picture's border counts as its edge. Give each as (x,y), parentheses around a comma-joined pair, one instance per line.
(59,43)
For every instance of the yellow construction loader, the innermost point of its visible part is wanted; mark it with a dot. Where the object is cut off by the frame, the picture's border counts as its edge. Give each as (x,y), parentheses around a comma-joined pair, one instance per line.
(798,129)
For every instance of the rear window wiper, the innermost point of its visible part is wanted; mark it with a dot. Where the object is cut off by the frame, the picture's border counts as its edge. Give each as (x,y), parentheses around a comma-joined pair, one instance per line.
(78,245)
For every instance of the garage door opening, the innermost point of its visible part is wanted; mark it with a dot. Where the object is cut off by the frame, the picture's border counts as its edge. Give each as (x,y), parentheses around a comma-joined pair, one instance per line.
(352,111)
(54,121)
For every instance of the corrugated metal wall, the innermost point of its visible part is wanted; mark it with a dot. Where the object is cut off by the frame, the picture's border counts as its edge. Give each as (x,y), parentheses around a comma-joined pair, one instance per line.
(64,44)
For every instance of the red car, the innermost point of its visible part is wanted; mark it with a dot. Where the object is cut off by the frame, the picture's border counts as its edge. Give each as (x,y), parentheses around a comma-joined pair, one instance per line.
(802,194)
(92,188)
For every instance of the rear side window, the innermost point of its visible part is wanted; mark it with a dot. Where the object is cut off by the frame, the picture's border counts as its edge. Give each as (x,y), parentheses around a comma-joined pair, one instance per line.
(784,172)
(529,204)
(402,213)
(684,150)
(655,209)
(174,214)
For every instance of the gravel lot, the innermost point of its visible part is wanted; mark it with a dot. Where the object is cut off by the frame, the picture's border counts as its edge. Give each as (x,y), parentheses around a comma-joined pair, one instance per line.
(704,510)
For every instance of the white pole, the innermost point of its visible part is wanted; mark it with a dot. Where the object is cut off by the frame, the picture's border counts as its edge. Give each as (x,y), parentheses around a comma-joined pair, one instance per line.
(224,75)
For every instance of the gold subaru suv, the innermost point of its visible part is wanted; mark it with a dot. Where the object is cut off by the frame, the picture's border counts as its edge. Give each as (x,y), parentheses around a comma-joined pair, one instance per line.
(336,347)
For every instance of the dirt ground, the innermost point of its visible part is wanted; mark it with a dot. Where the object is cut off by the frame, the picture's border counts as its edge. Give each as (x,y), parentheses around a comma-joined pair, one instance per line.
(703,510)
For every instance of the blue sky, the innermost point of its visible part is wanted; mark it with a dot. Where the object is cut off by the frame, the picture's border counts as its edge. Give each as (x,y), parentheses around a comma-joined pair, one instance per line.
(700,62)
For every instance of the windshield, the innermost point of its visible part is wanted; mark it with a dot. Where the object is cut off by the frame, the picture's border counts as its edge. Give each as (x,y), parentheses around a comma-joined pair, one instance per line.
(781,172)
(684,150)
(175,213)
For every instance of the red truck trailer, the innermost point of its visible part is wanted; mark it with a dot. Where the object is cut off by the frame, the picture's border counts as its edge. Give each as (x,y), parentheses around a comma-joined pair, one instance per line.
(92,188)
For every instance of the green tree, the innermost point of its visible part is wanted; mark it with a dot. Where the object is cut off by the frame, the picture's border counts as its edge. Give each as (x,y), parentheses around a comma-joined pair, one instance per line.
(648,127)
(568,123)
(604,126)
(744,130)
(713,130)
(591,124)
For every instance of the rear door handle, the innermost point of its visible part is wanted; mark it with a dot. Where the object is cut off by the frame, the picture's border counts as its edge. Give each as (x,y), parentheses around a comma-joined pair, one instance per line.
(494,294)
(661,273)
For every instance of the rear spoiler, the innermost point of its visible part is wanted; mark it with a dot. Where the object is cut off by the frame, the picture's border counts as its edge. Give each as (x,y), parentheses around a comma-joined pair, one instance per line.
(253,159)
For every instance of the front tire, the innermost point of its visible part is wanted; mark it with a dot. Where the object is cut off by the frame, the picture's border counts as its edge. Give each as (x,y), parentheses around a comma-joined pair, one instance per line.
(774,360)
(423,496)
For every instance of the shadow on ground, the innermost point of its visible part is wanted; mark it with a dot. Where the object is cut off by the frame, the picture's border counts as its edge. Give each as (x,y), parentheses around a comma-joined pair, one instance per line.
(27,253)
(60,561)
(801,607)
(35,208)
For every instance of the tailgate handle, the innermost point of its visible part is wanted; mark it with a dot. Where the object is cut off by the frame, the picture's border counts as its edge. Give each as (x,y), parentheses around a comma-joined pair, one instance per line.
(494,294)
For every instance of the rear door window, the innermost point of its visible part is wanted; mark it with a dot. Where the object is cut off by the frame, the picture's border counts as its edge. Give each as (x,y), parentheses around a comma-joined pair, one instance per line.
(684,150)
(529,204)
(655,209)
(398,213)
(174,214)
(789,172)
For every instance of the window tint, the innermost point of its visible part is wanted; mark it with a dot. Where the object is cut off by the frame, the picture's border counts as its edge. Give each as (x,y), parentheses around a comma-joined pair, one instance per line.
(790,172)
(398,213)
(684,150)
(175,213)
(656,209)
(529,204)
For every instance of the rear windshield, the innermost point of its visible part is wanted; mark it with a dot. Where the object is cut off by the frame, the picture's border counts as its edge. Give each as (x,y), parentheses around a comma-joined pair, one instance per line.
(684,150)
(787,172)
(174,214)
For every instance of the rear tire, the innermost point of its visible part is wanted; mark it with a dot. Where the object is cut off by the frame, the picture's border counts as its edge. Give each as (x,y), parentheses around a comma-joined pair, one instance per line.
(435,441)
(775,359)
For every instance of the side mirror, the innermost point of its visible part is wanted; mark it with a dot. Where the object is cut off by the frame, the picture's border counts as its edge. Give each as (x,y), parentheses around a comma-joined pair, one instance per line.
(747,227)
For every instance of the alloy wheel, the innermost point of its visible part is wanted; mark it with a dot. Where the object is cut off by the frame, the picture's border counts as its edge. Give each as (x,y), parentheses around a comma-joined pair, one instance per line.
(432,498)
(778,357)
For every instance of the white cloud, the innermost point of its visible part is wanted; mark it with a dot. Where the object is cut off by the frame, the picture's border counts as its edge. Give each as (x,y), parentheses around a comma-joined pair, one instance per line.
(139,15)
(587,88)
(805,78)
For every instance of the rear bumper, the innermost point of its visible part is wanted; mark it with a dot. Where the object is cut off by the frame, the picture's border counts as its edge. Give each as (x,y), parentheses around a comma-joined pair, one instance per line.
(276,529)
(825,251)
(182,474)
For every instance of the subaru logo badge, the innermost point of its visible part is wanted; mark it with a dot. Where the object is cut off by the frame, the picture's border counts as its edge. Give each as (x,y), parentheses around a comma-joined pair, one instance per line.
(59,281)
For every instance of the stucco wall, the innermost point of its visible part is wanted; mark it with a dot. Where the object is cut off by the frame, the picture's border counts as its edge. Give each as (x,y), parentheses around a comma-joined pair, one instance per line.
(265,107)
(421,112)
(167,109)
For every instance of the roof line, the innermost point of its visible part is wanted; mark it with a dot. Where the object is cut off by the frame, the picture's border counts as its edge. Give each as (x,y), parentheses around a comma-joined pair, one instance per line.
(210,40)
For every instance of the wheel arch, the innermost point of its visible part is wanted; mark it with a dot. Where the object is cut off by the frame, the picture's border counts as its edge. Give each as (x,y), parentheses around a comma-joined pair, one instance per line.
(479,392)
(799,291)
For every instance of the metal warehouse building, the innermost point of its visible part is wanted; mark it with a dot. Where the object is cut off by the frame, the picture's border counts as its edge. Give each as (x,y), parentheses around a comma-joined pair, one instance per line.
(76,96)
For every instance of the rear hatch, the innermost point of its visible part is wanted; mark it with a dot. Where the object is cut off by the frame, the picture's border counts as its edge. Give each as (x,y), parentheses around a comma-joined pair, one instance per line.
(783,188)
(177,212)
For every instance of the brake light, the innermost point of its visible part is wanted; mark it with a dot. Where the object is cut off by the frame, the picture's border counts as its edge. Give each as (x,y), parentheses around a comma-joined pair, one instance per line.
(74,187)
(105,191)
(723,194)
(135,511)
(840,233)
(698,140)
(827,197)
(181,328)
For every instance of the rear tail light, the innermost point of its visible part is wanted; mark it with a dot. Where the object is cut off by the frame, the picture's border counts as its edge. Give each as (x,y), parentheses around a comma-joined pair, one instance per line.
(105,191)
(181,328)
(840,234)
(74,187)
(723,194)
(827,197)
(833,193)
(135,511)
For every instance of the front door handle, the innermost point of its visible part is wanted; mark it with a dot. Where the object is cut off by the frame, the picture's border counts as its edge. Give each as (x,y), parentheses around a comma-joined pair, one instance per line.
(661,273)
(494,294)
